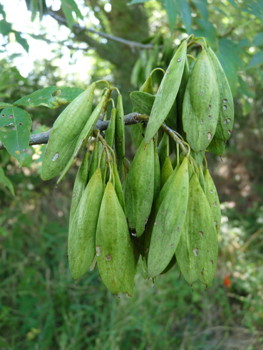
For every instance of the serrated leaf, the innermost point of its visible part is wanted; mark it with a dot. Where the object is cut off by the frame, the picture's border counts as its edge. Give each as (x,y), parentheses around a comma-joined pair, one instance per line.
(15,126)
(51,97)
(258,40)
(256,59)
(6,182)
(202,7)
(22,41)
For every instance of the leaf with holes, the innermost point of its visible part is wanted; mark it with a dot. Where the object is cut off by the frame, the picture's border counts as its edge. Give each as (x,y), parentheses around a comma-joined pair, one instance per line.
(51,97)
(169,220)
(226,105)
(6,182)
(200,105)
(15,126)
(213,199)
(192,248)
(167,92)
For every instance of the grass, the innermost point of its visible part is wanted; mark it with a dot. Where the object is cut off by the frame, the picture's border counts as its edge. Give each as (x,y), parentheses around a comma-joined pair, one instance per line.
(42,309)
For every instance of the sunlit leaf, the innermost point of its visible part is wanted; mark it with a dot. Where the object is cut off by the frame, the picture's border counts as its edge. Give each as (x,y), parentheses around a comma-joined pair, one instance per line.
(6,182)
(202,7)
(258,40)
(23,42)
(51,97)
(5,27)
(256,59)
(69,6)
(184,12)
(15,126)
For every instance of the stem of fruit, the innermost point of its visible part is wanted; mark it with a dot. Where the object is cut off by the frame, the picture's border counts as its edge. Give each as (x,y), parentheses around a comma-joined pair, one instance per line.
(169,131)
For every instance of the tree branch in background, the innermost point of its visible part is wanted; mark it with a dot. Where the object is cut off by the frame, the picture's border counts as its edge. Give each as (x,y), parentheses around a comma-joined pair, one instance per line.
(131,44)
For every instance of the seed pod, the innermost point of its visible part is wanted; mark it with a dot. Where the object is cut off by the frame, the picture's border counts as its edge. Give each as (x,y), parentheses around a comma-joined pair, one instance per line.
(167,170)
(216,146)
(201,177)
(152,218)
(142,102)
(209,267)
(198,156)
(169,221)
(109,138)
(170,265)
(110,131)
(167,92)
(95,157)
(79,185)
(192,248)
(86,132)
(157,174)
(212,198)
(82,230)
(200,105)
(118,187)
(120,135)
(162,149)
(65,132)
(180,98)
(138,130)
(113,244)
(139,188)
(226,104)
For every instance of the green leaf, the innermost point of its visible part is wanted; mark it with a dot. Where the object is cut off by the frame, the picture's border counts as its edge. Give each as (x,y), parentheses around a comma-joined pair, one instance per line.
(136,2)
(23,42)
(230,70)
(258,40)
(185,14)
(171,12)
(5,27)
(244,42)
(256,59)
(51,97)
(6,182)
(202,7)
(15,125)
(207,30)
(69,6)
(233,3)
(244,88)
(3,105)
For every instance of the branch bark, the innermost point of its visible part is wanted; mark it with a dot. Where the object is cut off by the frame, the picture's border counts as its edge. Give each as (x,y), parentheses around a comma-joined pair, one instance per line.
(131,44)
(43,137)
(129,119)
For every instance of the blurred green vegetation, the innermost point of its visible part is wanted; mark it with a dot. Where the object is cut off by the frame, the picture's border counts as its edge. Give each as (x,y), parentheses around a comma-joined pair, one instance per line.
(40,306)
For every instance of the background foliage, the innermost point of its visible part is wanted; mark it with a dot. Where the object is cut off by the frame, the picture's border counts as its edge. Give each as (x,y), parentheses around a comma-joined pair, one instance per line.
(40,306)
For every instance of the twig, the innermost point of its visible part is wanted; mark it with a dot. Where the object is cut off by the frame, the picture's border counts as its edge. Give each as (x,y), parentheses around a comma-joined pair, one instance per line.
(132,44)
(129,119)
(43,137)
